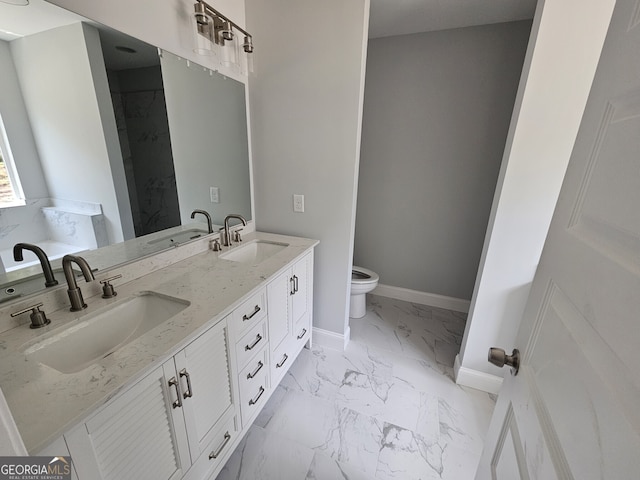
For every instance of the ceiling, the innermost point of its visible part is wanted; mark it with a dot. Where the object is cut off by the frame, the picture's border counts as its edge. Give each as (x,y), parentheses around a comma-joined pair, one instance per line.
(19,21)
(39,16)
(402,17)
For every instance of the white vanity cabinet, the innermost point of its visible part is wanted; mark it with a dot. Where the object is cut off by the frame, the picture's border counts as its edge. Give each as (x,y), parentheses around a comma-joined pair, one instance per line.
(290,302)
(180,414)
(183,419)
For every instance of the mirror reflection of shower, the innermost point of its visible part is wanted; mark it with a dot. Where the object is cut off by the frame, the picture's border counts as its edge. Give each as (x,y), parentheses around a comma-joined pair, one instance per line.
(137,93)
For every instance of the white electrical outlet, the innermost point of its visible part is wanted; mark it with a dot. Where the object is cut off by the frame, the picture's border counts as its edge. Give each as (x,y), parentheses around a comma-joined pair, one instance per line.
(298,203)
(214,193)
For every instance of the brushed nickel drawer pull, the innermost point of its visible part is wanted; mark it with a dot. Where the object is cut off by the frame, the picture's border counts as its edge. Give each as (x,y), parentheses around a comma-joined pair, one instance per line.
(245,317)
(293,286)
(173,382)
(189,391)
(216,453)
(302,334)
(253,401)
(255,372)
(255,342)
(282,362)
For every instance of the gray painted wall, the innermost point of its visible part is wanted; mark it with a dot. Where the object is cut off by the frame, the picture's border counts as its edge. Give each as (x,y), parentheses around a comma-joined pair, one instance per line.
(306,109)
(436,115)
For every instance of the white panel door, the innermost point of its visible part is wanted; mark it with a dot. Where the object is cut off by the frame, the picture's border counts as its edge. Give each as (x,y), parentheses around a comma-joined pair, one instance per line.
(573,410)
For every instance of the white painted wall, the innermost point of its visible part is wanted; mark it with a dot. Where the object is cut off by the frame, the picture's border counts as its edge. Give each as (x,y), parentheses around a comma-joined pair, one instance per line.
(306,104)
(57,85)
(567,39)
(437,108)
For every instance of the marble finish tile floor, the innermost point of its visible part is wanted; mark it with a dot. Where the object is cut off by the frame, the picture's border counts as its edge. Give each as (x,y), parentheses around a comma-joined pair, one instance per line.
(386,408)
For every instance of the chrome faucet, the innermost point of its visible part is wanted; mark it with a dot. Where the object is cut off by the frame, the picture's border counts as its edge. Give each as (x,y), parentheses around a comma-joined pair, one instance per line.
(226,236)
(50,279)
(75,294)
(206,214)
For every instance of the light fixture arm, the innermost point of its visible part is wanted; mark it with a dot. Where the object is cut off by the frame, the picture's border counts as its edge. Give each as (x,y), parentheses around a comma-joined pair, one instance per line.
(203,7)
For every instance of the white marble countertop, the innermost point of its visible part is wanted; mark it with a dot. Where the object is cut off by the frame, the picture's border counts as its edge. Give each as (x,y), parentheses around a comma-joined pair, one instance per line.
(45,403)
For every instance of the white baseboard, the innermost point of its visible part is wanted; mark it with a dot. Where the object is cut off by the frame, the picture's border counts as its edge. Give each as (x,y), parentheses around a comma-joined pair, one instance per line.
(473,378)
(423,298)
(335,341)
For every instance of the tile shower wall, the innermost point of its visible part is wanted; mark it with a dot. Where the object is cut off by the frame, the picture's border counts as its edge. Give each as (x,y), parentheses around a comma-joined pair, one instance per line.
(143,129)
(386,408)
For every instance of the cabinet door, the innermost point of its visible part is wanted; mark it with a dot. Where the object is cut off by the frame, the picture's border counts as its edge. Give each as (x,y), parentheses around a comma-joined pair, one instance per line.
(300,300)
(139,434)
(278,293)
(205,383)
(56,449)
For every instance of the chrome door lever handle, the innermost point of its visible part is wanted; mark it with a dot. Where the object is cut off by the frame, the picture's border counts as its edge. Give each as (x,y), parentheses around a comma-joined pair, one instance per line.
(499,358)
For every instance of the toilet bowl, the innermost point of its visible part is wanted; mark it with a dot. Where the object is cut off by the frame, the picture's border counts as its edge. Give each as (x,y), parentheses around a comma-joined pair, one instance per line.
(362,282)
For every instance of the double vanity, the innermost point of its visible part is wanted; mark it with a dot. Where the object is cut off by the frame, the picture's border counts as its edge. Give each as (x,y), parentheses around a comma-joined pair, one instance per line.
(163,379)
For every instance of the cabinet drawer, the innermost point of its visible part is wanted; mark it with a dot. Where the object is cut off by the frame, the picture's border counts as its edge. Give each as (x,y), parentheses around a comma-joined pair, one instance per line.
(217,451)
(251,343)
(253,375)
(249,314)
(255,398)
(281,360)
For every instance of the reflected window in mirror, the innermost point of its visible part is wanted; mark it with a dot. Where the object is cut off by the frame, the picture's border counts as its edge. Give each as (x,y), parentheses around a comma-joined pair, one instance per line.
(10,187)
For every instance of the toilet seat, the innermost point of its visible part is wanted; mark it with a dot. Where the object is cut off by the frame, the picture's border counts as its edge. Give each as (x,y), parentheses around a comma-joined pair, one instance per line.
(363,276)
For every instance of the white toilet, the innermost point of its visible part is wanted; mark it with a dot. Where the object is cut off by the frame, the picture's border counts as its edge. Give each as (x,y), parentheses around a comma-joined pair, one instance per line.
(362,282)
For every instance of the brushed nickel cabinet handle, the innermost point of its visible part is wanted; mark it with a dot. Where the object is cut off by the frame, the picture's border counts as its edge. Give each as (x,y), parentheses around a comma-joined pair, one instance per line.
(173,382)
(293,286)
(255,342)
(282,362)
(245,317)
(255,372)
(216,453)
(253,401)
(302,334)
(189,392)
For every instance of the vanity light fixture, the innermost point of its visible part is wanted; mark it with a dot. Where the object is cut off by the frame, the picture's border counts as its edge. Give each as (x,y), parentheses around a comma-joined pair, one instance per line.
(217,34)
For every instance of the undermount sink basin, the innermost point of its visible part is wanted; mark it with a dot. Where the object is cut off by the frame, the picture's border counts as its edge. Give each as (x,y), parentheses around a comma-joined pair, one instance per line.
(254,252)
(97,335)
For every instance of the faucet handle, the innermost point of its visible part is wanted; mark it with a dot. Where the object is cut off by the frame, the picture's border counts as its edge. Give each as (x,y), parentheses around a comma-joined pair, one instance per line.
(215,245)
(236,235)
(107,289)
(38,317)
